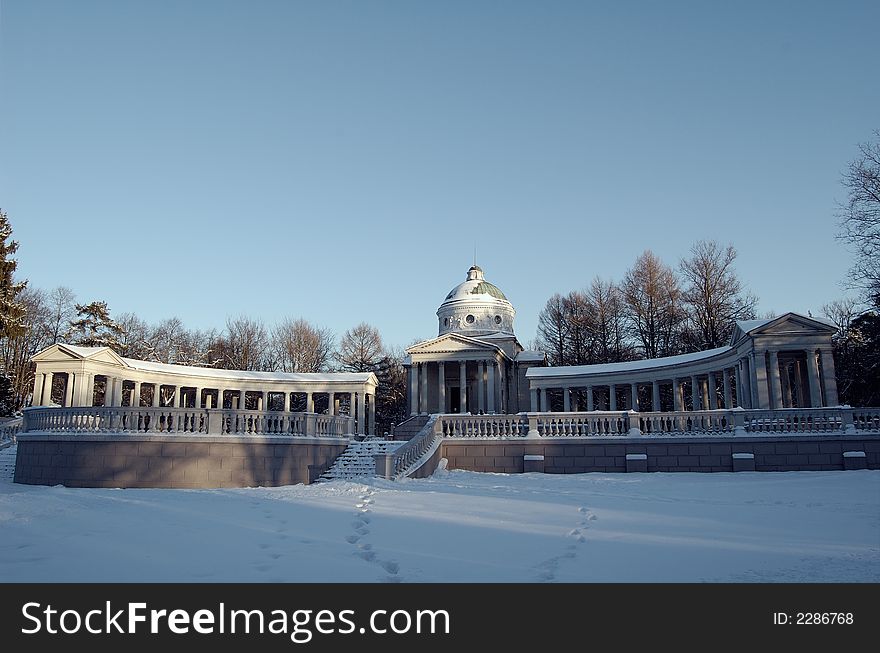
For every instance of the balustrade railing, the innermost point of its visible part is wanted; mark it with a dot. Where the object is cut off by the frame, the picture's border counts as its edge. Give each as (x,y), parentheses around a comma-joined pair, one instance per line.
(567,425)
(8,431)
(715,422)
(397,463)
(797,420)
(184,420)
(483,426)
(866,419)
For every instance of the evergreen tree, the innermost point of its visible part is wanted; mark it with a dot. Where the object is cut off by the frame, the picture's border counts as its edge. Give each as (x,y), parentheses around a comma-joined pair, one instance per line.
(94,327)
(12,311)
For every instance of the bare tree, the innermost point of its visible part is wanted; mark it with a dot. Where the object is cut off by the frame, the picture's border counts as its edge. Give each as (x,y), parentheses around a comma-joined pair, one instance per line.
(714,295)
(244,344)
(653,300)
(133,338)
(609,327)
(360,349)
(860,219)
(553,330)
(61,304)
(299,346)
(842,312)
(18,348)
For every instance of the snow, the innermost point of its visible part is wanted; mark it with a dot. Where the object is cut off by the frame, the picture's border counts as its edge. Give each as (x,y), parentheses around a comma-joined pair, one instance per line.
(629,366)
(455,526)
(215,373)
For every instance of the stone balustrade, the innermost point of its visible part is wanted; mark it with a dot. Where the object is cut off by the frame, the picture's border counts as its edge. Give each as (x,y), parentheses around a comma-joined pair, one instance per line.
(715,422)
(183,420)
(483,426)
(721,422)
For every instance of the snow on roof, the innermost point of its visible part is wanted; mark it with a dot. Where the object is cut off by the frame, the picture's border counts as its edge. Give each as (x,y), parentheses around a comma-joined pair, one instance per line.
(750,325)
(85,352)
(629,366)
(530,355)
(214,373)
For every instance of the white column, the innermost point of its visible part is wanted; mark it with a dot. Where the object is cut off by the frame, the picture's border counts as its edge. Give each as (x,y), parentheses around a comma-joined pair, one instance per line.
(261,401)
(413,389)
(713,392)
(352,409)
(738,371)
(481,395)
(634,393)
(39,384)
(198,402)
(242,399)
(136,395)
(110,392)
(678,404)
(591,406)
(612,397)
(491,387)
(695,393)
(775,383)
(462,377)
(331,403)
(423,388)
(813,380)
(728,398)
(828,377)
(157,395)
(286,401)
(362,412)
(179,398)
(655,396)
(566,400)
(310,403)
(533,393)
(68,390)
(542,392)
(759,376)
(371,430)
(441,387)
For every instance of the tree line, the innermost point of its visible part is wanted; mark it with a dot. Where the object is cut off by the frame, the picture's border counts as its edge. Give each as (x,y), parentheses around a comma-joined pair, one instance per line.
(655,310)
(32,319)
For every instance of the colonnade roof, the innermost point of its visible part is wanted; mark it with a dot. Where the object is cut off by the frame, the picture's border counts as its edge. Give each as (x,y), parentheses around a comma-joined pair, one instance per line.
(628,366)
(104,355)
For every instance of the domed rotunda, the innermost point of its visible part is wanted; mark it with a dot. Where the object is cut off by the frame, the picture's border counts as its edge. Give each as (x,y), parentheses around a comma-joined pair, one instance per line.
(476,364)
(476,307)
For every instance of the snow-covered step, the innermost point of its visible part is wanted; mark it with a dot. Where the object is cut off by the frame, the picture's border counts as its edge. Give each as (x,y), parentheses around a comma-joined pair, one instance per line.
(357,460)
(7,463)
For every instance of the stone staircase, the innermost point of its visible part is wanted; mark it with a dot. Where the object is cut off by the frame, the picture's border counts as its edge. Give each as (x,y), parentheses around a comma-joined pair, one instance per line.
(409,428)
(7,463)
(357,460)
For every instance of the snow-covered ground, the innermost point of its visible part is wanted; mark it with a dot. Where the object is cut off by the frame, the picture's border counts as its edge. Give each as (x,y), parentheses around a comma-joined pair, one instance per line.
(456,526)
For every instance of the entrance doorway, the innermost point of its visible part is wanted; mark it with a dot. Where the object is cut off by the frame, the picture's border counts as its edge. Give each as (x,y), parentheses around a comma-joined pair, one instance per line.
(455,399)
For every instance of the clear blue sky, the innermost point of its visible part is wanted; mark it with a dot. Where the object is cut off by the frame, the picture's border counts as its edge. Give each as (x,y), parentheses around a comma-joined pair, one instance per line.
(340,160)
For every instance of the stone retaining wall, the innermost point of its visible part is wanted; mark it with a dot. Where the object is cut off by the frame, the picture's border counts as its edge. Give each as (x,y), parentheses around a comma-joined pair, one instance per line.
(174,461)
(573,456)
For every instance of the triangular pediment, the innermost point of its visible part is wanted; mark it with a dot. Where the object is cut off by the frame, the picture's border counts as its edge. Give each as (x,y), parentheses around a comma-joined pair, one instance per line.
(61,352)
(451,343)
(789,324)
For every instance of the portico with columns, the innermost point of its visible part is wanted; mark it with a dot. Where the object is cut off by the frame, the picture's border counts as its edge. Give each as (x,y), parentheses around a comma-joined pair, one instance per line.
(70,376)
(782,362)
(475,364)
